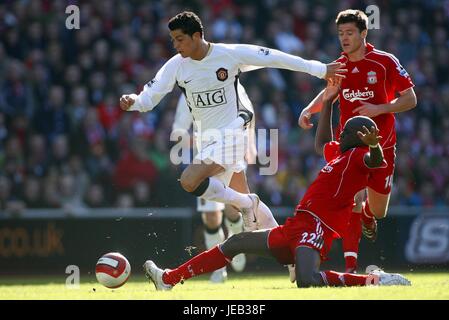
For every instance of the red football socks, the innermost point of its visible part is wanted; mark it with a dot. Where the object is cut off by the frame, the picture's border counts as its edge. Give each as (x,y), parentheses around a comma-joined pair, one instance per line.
(350,263)
(367,215)
(351,241)
(205,262)
(338,279)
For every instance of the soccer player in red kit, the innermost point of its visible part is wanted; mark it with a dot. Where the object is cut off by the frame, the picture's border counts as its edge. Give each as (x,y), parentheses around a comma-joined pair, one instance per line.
(376,86)
(322,215)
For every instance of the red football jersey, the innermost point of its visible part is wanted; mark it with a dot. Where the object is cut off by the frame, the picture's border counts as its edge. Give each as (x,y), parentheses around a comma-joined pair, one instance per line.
(376,79)
(331,196)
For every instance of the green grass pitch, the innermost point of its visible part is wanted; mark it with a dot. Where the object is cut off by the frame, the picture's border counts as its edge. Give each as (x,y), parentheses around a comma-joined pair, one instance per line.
(244,286)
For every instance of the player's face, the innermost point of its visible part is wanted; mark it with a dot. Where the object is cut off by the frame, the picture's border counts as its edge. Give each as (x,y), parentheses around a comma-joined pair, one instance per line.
(350,37)
(183,43)
(344,140)
(349,139)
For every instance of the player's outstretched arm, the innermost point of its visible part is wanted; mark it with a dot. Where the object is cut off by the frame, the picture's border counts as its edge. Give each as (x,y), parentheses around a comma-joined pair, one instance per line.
(314,106)
(154,90)
(324,130)
(371,138)
(251,55)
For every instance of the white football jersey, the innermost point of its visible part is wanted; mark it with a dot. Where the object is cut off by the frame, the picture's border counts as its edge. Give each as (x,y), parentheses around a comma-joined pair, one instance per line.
(183,117)
(211,85)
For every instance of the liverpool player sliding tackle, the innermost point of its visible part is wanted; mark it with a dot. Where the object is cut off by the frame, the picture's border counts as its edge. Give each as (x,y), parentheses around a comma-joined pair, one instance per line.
(321,216)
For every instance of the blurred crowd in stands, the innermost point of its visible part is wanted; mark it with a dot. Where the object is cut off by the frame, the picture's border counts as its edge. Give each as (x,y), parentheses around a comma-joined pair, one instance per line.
(64,142)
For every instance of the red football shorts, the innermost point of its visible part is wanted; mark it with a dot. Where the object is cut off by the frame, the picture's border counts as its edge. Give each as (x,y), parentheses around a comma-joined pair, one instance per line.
(301,230)
(381,179)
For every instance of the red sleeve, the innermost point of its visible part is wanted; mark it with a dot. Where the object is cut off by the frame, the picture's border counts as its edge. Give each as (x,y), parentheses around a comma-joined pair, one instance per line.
(399,77)
(331,150)
(359,158)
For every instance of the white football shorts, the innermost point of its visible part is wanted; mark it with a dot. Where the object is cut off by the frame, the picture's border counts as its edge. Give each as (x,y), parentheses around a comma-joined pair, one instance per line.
(227,150)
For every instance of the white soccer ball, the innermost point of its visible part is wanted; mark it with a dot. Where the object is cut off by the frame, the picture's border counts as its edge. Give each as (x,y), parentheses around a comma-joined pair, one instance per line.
(112,270)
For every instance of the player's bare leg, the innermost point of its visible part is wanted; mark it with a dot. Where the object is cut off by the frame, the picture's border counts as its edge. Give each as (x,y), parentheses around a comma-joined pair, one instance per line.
(194,174)
(199,180)
(308,268)
(375,207)
(239,182)
(378,203)
(254,242)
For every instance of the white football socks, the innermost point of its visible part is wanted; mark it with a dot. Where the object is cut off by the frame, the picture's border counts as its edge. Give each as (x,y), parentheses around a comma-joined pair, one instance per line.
(265,217)
(234,227)
(213,239)
(217,191)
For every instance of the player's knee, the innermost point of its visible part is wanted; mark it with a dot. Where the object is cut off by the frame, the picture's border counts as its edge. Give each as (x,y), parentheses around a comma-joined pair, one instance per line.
(379,212)
(382,214)
(304,282)
(231,247)
(188,182)
(232,213)
(306,279)
(212,219)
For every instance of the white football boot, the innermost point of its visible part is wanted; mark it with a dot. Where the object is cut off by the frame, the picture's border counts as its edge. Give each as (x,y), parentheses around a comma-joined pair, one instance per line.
(249,215)
(390,279)
(238,263)
(219,276)
(292,272)
(154,274)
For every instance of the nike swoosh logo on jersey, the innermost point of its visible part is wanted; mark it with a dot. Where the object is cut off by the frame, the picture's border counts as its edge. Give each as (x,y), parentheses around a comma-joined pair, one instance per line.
(187,81)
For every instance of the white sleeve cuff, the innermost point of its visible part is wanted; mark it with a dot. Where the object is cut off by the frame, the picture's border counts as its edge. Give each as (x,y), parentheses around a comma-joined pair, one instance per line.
(136,105)
(317,69)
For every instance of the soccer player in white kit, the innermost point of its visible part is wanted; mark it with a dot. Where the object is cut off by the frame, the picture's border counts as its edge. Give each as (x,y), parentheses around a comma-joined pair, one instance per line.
(208,75)
(211,211)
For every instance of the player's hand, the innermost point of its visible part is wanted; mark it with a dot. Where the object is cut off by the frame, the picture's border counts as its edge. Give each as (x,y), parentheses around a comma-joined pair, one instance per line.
(369,110)
(304,119)
(335,70)
(369,137)
(126,102)
(332,89)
